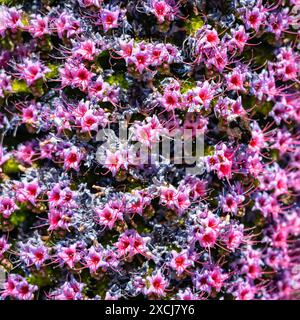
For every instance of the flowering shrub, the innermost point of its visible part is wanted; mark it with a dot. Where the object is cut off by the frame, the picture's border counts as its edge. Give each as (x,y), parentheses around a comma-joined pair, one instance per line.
(74,227)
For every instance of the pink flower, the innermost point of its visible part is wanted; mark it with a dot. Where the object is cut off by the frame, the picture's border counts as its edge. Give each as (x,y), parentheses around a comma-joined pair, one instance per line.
(207,238)
(235,80)
(5,84)
(94,259)
(59,219)
(72,158)
(157,284)
(82,78)
(89,122)
(239,39)
(210,39)
(141,60)
(218,59)
(180,261)
(7,207)
(39,26)
(131,243)
(4,246)
(187,294)
(13,19)
(27,191)
(171,100)
(258,140)
(149,131)
(25,153)
(30,114)
(30,71)
(107,216)
(65,24)
(231,202)
(25,291)
(71,290)
(18,288)
(39,255)
(109,19)
(182,202)
(126,49)
(168,196)
(113,161)
(204,93)
(86,50)
(233,238)
(67,74)
(254,18)
(69,255)
(162,10)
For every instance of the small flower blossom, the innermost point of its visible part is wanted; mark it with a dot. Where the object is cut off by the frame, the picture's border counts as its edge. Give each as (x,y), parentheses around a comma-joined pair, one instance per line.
(7,207)
(4,246)
(39,26)
(157,284)
(72,158)
(109,19)
(180,261)
(31,71)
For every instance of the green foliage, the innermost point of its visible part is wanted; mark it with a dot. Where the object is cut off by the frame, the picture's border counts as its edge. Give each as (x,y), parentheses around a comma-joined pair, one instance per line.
(193,24)
(53,73)
(17,217)
(264,108)
(11,166)
(19,86)
(118,79)
(42,278)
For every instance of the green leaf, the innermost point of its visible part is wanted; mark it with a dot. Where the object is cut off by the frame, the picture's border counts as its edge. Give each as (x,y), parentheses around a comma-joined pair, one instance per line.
(19,86)
(265,108)
(17,217)
(53,73)
(11,166)
(118,79)
(194,24)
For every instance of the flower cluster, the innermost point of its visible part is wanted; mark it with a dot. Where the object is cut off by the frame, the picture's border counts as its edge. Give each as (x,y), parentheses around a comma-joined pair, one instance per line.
(83,219)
